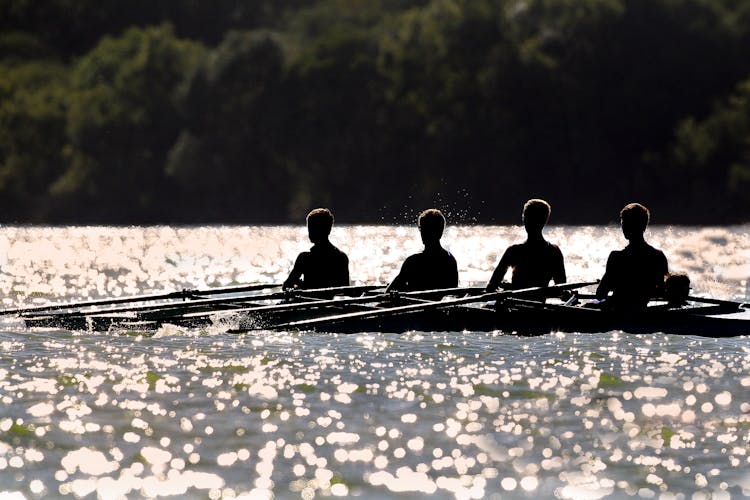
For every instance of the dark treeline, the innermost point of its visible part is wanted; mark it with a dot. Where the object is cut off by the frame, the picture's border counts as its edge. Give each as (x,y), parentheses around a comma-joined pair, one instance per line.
(188,111)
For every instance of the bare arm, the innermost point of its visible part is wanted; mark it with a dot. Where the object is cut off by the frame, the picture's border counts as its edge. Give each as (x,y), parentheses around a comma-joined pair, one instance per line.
(558,275)
(397,284)
(401,281)
(605,285)
(663,272)
(294,280)
(500,270)
(345,272)
(454,278)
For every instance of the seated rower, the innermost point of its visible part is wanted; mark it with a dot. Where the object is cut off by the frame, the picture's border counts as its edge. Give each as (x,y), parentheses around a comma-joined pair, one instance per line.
(536,261)
(432,268)
(324,265)
(635,274)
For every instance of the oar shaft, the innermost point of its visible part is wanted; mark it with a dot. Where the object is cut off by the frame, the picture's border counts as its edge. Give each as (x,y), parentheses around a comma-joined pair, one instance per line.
(440,292)
(93,303)
(202,309)
(183,294)
(236,289)
(303,306)
(82,310)
(412,308)
(718,302)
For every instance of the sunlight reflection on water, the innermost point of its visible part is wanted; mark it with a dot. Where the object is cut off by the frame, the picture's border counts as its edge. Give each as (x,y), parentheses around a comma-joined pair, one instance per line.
(294,415)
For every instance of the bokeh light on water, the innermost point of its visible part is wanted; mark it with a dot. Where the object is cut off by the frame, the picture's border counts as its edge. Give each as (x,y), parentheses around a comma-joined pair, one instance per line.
(206,414)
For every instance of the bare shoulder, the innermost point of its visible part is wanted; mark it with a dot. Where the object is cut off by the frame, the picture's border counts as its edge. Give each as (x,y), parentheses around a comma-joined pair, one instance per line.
(303,257)
(342,255)
(554,248)
(614,255)
(513,250)
(411,259)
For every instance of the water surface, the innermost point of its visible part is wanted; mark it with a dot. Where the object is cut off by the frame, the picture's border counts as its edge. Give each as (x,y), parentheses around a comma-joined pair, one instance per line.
(207,414)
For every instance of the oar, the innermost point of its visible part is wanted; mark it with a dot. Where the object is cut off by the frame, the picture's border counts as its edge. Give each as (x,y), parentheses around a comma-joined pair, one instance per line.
(303,299)
(181,294)
(719,302)
(304,306)
(691,298)
(264,310)
(412,308)
(226,302)
(440,292)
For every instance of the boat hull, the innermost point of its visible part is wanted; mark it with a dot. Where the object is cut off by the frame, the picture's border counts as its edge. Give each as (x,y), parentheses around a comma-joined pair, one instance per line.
(400,313)
(540,321)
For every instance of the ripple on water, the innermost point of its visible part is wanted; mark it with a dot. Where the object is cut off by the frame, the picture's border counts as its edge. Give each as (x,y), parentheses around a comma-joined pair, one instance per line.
(458,415)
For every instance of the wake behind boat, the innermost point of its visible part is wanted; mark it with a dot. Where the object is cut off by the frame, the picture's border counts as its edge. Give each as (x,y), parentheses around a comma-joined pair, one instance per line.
(353,309)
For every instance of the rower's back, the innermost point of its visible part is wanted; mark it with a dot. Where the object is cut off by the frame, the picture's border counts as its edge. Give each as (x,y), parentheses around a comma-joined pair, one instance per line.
(324,266)
(536,261)
(434,267)
(635,274)
(534,264)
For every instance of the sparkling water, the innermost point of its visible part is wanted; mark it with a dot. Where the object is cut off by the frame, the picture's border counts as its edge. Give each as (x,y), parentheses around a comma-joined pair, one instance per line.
(208,414)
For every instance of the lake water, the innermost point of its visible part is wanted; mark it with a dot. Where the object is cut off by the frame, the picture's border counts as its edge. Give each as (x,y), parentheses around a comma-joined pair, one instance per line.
(207,414)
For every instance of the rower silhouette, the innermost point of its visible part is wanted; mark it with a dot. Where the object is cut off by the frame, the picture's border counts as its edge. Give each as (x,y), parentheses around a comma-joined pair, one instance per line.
(434,267)
(635,274)
(324,265)
(536,261)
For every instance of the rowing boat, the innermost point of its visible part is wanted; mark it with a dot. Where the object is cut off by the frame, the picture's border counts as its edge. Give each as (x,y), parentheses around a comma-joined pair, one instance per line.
(530,311)
(531,318)
(244,310)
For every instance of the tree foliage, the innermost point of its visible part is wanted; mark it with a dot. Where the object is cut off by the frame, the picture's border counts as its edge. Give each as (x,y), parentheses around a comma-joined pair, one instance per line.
(231,111)
(33,105)
(122,119)
(711,157)
(226,154)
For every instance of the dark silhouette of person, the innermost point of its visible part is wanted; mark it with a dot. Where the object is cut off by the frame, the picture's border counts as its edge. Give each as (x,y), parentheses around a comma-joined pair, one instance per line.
(676,289)
(536,261)
(324,265)
(434,267)
(635,274)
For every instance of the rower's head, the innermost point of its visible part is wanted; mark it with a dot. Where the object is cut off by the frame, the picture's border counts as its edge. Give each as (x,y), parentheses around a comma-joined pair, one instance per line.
(535,215)
(676,289)
(431,224)
(319,224)
(634,220)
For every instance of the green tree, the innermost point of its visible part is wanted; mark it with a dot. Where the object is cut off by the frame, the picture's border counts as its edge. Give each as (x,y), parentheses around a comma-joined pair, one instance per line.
(33,104)
(342,141)
(374,107)
(456,78)
(228,152)
(73,27)
(122,119)
(711,159)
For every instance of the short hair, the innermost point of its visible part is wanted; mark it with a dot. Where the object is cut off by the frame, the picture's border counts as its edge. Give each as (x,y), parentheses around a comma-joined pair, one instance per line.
(432,222)
(320,219)
(635,214)
(536,210)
